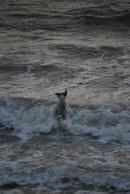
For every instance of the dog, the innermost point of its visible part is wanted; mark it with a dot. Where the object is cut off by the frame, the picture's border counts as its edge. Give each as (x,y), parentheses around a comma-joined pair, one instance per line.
(61,105)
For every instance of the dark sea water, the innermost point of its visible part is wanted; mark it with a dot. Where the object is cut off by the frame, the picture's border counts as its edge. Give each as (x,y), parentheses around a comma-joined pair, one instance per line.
(47,46)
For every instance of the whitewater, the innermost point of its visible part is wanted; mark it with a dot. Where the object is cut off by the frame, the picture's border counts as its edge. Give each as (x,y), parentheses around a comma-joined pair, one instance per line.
(89,150)
(47,47)
(27,118)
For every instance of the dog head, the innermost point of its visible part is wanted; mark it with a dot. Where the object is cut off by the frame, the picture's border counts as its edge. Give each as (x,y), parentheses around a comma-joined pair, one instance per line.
(64,94)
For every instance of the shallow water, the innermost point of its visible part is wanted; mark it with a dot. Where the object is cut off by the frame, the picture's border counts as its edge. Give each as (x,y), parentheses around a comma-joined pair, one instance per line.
(46,47)
(87,151)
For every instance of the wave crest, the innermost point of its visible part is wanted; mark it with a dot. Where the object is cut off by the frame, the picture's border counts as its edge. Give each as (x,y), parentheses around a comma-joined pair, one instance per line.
(26,118)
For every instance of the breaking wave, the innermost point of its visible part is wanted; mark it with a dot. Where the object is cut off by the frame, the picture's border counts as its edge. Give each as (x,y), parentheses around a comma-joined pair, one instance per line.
(64,176)
(26,118)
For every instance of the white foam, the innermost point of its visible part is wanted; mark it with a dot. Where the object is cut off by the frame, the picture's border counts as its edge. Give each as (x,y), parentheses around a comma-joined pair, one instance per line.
(27,121)
(54,176)
(104,123)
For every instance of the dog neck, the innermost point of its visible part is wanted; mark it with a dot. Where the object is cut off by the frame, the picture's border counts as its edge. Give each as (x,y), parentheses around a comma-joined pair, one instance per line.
(61,100)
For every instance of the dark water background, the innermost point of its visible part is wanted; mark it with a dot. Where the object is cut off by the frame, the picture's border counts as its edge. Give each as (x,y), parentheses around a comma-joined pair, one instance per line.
(79,45)
(48,46)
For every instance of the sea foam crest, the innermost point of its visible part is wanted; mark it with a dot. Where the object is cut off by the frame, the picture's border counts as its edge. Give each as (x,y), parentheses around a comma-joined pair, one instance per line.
(64,176)
(28,118)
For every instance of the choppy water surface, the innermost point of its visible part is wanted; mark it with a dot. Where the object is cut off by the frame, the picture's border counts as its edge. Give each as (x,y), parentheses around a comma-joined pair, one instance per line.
(45,47)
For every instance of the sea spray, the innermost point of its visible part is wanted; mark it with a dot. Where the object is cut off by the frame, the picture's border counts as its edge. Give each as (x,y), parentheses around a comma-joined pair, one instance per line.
(104,123)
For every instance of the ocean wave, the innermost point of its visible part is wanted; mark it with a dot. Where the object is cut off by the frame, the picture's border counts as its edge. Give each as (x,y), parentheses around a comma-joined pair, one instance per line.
(61,15)
(107,11)
(86,52)
(26,118)
(62,177)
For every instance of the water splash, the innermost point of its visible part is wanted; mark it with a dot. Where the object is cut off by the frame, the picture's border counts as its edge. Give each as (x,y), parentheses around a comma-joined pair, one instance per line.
(29,118)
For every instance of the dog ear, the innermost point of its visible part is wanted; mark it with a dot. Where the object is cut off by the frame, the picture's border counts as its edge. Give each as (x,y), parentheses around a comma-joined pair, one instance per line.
(65,93)
(57,94)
